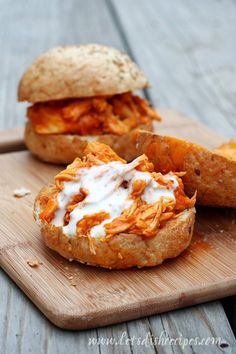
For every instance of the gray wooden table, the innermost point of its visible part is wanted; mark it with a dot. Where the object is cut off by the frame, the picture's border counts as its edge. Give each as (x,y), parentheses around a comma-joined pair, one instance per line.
(187,49)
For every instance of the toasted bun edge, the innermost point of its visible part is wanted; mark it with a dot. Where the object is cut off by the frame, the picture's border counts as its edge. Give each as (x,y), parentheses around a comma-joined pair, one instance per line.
(213,176)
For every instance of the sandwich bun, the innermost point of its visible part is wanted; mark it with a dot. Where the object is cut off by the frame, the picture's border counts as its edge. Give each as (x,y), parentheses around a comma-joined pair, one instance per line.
(123,250)
(80,71)
(64,148)
(213,176)
(69,75)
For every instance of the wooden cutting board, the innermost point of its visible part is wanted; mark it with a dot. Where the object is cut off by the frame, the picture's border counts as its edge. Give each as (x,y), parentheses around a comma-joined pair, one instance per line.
(75,296)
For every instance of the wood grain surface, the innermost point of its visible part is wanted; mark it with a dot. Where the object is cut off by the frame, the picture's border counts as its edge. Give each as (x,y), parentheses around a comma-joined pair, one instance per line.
(74,296)
(12,139)
(187,50)
(177,43)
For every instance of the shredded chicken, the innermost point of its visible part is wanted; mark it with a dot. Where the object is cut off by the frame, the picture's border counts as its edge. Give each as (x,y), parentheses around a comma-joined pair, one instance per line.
(140,218)
(91,116)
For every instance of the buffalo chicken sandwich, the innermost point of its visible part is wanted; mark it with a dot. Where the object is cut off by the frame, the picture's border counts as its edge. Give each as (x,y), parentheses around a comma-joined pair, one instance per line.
(106,212)
(80,94)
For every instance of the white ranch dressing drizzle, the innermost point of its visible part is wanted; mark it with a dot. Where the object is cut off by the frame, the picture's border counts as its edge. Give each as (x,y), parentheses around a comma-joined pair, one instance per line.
(106,193)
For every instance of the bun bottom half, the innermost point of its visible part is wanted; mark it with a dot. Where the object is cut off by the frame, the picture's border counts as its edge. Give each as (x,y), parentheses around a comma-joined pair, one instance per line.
(64,148)
(213,176)
(121,251)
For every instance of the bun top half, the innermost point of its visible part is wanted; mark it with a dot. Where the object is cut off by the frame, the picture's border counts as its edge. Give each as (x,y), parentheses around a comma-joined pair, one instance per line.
(79,71)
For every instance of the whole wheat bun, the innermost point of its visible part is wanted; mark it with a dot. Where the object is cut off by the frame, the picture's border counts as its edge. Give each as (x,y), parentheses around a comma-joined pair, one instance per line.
(79,71)
(123,250)
(211,175)
(64,148)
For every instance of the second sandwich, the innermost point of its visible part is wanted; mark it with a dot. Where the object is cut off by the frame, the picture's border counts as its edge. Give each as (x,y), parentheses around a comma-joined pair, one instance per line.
(81,94)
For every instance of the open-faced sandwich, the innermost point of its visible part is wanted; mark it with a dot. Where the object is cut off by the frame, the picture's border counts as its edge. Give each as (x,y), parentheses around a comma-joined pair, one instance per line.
(106,212)
(211,173)
(81,94)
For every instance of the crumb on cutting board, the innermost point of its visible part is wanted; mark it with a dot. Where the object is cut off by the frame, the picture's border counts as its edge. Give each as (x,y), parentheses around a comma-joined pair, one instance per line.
(33,263)
(21,192)
(73,284)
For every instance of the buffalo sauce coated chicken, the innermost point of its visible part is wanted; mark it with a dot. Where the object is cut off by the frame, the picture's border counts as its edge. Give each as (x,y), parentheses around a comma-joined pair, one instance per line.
(91,116)
(102,196)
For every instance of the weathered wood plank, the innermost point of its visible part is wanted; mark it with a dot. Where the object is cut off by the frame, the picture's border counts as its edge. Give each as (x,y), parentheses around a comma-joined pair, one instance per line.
(198,326)
(140,333)
(24,330)
(111,335)
(187,50)
(12,139)
(61,342)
